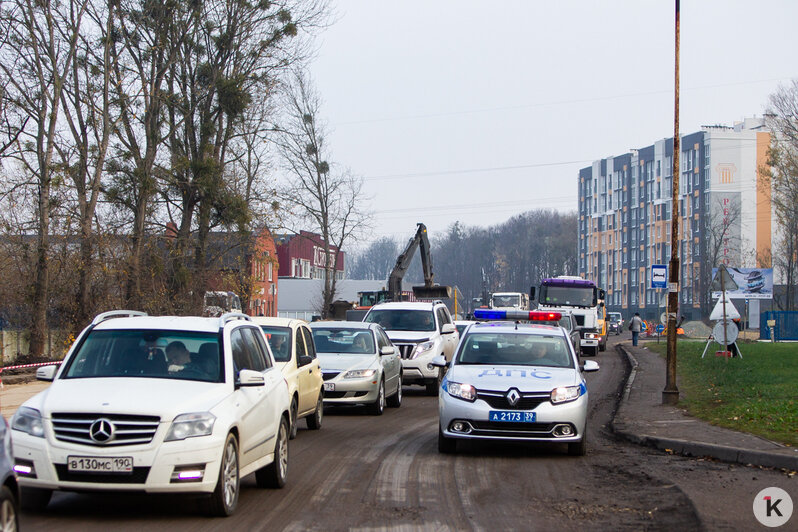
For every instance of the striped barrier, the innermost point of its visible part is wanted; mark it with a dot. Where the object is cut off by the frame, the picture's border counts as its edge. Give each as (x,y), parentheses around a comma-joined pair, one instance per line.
(26,366)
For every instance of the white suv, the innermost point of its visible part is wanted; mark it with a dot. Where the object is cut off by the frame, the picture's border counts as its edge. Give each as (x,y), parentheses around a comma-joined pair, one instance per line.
(420,331)
(157,404)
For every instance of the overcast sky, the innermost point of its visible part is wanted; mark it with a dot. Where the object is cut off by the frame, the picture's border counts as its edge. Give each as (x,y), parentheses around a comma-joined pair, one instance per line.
(475,111)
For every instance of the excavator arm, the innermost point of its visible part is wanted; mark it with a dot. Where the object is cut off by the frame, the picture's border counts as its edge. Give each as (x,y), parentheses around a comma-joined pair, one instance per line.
(428,291)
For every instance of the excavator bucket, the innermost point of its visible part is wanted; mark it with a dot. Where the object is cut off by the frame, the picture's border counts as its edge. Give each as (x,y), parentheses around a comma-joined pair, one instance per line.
(432,292)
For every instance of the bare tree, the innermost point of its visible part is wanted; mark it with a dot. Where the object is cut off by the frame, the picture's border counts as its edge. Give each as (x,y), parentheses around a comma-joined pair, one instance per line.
(375,262)
(87,109)
(782,118)
(320,196)
(38,54)
(719,235)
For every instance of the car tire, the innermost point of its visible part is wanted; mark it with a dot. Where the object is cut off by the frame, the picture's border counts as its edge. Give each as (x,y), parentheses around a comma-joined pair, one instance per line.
(578,448)
(446,445)
(35,499)
(294,419)
(395,401)
(224,498)
(313,421)
(378,407)
(602,347)
(275,474)
(432,387)
(9,510)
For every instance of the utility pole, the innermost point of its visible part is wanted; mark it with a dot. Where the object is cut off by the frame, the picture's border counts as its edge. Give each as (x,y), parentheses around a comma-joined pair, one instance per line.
(670,395)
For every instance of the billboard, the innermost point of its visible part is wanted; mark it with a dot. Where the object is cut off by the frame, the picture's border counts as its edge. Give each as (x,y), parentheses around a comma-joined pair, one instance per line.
(752,283)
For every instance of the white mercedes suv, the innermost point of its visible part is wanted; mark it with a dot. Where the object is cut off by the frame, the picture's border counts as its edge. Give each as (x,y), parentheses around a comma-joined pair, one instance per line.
(420,331)
(157,404)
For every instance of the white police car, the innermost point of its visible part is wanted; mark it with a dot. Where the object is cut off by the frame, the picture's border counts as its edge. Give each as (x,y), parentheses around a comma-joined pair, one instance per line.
(514,381)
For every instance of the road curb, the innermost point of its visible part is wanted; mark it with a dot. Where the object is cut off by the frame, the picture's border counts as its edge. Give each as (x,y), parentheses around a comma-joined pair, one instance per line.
(690,448)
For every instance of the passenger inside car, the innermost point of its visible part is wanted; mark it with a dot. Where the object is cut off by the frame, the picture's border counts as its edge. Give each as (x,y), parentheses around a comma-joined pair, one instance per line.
(178,356)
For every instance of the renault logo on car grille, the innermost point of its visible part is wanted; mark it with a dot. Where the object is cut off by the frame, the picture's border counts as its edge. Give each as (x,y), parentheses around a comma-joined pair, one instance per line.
(513,396)
(102,431)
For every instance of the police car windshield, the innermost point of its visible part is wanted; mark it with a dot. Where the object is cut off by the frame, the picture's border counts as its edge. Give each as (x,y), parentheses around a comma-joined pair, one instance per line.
(402,320)
(509,349)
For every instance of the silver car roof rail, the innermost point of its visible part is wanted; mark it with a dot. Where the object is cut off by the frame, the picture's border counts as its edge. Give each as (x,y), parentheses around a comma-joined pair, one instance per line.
(230,316)
(116,314)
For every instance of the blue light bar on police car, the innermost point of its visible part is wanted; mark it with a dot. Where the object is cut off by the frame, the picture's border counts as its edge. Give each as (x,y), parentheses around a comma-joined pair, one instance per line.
(528,315)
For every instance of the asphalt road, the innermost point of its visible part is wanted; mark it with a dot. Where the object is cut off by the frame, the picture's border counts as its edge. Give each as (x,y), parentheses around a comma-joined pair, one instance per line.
(384,473)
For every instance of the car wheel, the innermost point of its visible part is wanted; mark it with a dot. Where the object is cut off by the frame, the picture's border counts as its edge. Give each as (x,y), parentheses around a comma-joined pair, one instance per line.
(294,420)
(395,401)
(35,499)
(578,448)
(602,347)
(378,407)
(446,445)
(432,387)
(275,474)
(9,516)
(224,498)
(314,421)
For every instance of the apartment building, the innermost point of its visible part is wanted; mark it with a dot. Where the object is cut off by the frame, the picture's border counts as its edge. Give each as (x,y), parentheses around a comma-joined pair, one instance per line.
(725,215)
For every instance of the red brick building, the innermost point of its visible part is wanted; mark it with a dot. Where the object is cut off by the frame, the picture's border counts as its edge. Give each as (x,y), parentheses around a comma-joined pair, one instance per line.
(302,256)
(257,287)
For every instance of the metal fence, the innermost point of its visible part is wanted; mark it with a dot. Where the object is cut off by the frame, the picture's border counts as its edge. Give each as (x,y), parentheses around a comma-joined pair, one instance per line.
(785,328)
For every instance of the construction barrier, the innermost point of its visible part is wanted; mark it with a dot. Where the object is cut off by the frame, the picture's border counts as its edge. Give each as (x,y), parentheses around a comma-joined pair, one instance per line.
(25,366)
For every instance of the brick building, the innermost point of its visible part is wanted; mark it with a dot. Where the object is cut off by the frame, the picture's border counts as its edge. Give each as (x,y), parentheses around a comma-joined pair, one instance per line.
(302,256)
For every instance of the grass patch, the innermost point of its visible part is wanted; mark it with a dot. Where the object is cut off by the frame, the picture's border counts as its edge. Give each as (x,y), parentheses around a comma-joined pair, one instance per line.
(756,394)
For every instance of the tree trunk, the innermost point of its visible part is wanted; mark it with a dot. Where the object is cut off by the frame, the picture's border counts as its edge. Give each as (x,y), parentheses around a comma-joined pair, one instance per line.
(41,286)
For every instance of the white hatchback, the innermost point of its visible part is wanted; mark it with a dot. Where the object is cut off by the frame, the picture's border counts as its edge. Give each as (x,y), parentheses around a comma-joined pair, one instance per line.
(157,404)
(295,353)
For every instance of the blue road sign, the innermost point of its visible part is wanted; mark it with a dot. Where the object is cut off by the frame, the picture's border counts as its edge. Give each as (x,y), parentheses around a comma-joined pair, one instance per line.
(660,328)
(659,276)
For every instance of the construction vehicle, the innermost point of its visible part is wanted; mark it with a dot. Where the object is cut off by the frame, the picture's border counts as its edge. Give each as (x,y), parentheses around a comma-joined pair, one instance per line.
(509,301)
(394,291)
(583,299)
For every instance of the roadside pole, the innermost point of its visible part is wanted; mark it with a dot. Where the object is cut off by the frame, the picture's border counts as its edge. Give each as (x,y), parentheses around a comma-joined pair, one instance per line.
(725,324)
(670,395)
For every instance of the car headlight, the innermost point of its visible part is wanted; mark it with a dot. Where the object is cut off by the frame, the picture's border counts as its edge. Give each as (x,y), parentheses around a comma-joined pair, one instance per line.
(28,420)
(564,394)
(191,425)
(422,348)
(465,392)
(359,373)
(591,336)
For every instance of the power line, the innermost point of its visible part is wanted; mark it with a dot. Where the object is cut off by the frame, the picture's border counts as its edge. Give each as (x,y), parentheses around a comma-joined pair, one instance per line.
(475,170)
(544,104)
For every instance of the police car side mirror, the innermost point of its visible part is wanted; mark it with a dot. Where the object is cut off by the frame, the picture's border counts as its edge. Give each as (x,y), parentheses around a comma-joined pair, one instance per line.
(448,328)
(590,365)
(439,362)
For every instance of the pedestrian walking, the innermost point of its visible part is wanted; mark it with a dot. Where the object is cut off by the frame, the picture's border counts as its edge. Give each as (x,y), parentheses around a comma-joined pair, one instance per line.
(635,325)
